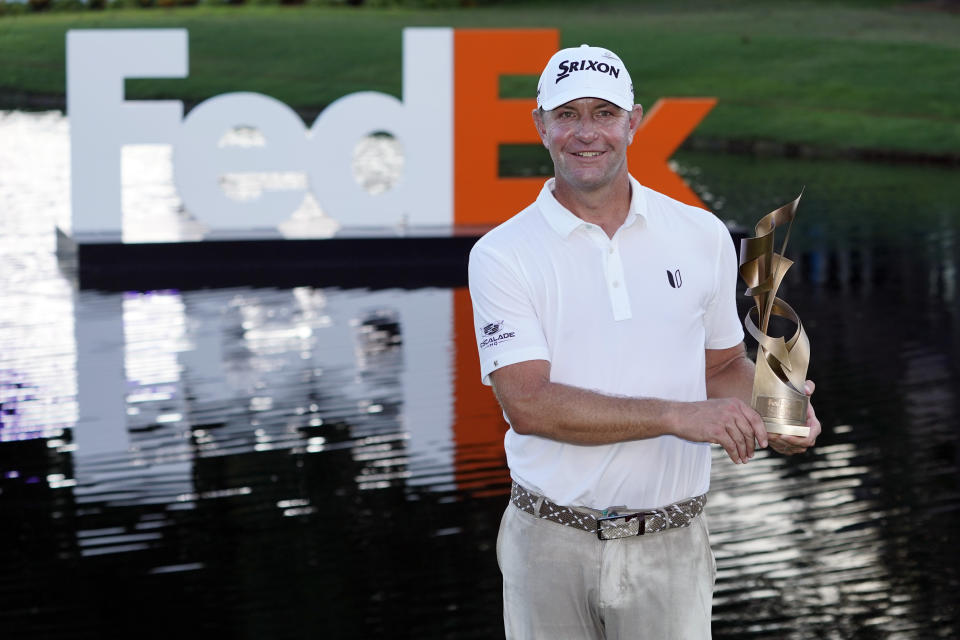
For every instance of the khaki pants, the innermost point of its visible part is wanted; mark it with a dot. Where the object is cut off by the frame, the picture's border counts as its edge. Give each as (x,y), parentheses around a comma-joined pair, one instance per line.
(560,582)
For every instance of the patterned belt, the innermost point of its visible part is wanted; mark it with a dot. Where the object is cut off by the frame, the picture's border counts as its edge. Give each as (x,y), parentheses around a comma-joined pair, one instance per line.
(609,524)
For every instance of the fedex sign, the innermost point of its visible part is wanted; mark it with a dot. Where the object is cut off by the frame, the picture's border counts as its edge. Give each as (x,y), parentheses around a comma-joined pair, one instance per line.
(450,123)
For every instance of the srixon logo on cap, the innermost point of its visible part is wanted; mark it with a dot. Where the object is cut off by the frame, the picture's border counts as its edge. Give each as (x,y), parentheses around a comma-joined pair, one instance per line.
(569,66)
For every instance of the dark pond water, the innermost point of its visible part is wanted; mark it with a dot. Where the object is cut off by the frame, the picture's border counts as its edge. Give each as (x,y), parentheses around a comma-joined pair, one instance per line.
(323,463)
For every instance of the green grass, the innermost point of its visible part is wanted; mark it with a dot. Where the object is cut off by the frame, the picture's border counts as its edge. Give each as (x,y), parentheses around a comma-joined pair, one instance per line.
(861,75)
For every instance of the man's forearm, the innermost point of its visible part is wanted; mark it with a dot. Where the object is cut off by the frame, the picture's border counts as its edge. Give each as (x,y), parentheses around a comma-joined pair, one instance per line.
(579,416)
(536,406)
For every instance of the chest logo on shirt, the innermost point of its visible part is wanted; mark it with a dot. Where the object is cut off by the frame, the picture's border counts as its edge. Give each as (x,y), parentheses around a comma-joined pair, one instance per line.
(673,277)
(495,334)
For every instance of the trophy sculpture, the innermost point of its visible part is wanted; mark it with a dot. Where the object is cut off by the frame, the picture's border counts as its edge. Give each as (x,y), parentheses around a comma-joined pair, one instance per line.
(781,364)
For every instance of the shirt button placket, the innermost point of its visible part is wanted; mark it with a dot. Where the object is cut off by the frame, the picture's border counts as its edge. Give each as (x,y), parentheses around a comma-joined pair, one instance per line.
(619,299)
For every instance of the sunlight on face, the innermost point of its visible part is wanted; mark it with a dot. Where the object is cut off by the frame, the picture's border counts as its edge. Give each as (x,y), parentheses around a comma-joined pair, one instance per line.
(587,139)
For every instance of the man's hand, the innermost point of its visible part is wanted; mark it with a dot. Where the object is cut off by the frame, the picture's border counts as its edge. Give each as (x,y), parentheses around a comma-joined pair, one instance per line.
(790,445)
(729,422)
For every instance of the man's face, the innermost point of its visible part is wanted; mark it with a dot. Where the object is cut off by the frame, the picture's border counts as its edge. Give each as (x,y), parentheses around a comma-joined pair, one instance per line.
(588,139)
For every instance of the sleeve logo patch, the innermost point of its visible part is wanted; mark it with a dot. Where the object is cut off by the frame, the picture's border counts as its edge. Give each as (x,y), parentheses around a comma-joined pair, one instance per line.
(494,334)
(492,328)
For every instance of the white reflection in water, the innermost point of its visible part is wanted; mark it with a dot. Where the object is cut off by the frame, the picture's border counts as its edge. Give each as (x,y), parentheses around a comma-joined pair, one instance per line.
(266,370)
(37,350)
(804,541)
(154,328)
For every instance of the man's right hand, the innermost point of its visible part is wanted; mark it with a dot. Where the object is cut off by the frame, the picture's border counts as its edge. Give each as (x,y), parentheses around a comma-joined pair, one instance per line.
(728,422)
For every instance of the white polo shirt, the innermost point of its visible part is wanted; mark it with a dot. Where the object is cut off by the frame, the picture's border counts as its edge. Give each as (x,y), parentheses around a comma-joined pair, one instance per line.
(627,316)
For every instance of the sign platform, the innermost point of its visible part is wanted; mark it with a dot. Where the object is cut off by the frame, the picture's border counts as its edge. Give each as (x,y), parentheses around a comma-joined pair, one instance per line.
(371,258)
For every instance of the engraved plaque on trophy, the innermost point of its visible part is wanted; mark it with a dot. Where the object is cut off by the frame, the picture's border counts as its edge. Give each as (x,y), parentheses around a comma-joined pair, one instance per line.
(781,367)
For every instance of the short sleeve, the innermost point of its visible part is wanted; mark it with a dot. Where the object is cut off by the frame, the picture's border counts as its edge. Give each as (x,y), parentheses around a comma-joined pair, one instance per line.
(721,322)
(506,324)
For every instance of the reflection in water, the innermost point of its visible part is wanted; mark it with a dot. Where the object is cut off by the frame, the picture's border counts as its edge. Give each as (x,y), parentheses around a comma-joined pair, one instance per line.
(295,462)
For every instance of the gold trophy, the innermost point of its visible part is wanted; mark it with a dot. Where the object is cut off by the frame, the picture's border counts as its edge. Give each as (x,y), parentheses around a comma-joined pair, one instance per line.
(781,369)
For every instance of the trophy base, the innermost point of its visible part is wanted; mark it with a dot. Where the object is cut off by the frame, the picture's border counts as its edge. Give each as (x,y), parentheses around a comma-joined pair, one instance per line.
(787,429)
(784,415)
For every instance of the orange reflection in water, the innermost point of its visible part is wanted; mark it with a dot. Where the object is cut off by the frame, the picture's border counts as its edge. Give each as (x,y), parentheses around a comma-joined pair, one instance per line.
(478,424)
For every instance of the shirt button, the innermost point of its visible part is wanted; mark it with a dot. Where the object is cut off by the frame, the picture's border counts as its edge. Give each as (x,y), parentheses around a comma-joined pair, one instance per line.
(611,249)
(616,283)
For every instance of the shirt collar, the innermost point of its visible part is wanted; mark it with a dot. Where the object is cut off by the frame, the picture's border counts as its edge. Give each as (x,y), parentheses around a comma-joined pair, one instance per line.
(564,221)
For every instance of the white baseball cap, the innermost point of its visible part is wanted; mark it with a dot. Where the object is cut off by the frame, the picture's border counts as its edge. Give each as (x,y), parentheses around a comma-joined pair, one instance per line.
(584,72)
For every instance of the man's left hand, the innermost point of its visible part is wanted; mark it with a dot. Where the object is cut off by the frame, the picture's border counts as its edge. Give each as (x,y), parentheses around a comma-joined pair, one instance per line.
(791,445)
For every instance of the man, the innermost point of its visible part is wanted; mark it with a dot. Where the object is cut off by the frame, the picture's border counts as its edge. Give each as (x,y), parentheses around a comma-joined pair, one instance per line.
(607,325)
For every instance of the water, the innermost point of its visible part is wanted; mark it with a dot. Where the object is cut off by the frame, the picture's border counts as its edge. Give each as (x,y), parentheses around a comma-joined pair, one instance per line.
(322,462)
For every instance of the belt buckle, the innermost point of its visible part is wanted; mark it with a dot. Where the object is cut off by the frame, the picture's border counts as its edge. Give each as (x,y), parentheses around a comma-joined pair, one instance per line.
(626,517)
